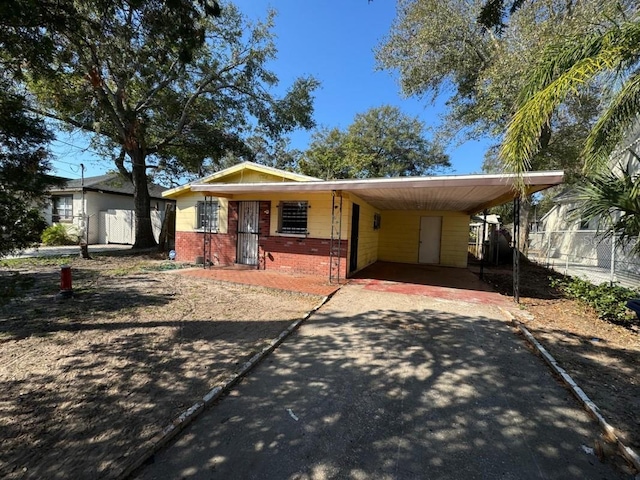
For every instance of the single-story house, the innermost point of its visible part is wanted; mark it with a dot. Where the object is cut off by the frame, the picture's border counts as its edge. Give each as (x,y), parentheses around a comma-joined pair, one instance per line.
(101,208)
(273,219)
(562,237)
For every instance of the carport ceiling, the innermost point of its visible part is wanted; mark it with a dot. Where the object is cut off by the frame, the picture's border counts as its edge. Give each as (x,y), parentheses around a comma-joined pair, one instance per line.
(462,193)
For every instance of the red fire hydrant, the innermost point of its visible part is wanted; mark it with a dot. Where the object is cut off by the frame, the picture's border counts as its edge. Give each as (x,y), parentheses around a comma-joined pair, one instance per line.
(66,289)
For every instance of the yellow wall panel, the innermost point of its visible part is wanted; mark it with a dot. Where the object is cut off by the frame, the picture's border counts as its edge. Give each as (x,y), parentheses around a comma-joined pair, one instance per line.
(400,236)
(186,212)
(248,176)
(367,236)
(318,215)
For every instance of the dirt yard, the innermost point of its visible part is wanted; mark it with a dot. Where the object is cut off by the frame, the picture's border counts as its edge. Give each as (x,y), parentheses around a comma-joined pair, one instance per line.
(85,381)
(603,358)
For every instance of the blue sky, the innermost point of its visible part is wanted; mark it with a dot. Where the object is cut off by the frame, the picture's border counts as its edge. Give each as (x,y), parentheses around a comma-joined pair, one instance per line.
(333,41)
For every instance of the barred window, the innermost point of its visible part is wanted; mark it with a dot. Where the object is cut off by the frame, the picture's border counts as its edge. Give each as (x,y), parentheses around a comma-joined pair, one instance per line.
(293,217)
(62,210)
(207,216)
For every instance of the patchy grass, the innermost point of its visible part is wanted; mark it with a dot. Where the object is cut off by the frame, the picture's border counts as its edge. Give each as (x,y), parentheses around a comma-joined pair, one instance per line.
(12,284)
(25,263)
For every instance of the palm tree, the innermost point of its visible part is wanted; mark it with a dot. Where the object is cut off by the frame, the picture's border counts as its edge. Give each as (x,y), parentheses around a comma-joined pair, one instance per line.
(613,198)
(612,56)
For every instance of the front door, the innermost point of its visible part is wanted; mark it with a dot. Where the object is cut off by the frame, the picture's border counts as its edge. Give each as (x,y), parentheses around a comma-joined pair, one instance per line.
(355,230)
(430,232)
(248,230)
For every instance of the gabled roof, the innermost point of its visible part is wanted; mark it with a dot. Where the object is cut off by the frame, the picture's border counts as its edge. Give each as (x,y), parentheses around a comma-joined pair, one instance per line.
(219,177)
(462,193)
(108,183)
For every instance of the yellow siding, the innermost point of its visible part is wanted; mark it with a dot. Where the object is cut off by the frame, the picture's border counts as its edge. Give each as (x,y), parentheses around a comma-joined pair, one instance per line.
(396,241)
(455,239)
(400,236)
(186,212)
(248,176)
(319,213)
(367,236)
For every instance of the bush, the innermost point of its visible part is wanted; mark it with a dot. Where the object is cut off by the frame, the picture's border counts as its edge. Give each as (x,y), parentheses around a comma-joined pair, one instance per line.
(609,301)
(56,235)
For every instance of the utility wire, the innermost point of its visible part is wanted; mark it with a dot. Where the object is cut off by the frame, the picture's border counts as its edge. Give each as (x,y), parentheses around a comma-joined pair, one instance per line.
(84,149)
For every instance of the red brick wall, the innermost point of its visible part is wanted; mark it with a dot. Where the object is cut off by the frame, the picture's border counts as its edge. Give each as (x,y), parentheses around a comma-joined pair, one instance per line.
(291,254)
(190,245)
(300,255)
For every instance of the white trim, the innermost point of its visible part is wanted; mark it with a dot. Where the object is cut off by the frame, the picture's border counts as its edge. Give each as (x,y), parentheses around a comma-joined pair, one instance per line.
(292,235)
(530,179)
(285,175)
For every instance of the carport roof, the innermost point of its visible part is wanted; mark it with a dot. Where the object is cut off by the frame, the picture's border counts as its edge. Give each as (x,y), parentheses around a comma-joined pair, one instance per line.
(464,193)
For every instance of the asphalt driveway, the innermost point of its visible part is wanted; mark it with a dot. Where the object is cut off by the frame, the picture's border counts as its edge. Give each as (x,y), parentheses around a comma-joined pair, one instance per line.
(387,385)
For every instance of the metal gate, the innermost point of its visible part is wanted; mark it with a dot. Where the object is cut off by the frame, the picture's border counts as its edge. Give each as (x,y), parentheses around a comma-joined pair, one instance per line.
(248,231)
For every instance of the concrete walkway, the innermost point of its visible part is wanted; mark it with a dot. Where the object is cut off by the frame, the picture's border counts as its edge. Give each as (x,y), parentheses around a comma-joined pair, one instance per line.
(69,250)
(384,385)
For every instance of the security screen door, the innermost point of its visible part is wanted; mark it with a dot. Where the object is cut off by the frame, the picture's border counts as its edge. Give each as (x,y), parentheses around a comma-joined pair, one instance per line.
(248,230)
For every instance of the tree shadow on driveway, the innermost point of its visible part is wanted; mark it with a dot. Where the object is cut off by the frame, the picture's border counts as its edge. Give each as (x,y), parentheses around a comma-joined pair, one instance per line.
(391,394)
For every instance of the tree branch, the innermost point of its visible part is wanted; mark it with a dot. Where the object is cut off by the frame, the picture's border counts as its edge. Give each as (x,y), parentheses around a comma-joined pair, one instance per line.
(144,103)
(119,161)
(185,110)
(82,126)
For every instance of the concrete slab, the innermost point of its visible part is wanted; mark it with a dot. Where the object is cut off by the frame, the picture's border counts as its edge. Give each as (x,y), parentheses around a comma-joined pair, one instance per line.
(392,386)
(68,250)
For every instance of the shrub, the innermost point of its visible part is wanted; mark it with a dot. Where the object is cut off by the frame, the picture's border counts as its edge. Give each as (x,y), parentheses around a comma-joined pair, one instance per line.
(57,235)
(609,301)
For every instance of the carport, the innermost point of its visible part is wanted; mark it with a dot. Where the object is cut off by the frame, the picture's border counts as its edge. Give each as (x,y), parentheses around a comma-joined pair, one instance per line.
(357,222)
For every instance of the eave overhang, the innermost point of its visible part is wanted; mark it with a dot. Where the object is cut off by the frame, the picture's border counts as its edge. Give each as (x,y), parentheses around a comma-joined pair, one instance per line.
(464,193)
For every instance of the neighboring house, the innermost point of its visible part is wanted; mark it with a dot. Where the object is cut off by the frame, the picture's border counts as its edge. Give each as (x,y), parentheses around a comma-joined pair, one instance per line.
(261,216)
(563,239)
(494,242)
(100,209)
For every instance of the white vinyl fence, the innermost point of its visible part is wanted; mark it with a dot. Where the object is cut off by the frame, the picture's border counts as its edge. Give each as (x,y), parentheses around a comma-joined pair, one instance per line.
(119,226)
(581,253)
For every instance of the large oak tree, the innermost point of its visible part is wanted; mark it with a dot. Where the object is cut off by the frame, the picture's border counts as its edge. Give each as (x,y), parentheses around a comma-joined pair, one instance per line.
(163,85)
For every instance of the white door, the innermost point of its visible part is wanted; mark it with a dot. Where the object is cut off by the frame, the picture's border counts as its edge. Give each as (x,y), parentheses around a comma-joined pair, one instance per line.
(430,231)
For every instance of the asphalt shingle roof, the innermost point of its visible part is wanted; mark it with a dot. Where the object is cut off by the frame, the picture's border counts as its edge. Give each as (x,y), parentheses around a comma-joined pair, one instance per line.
(111,182)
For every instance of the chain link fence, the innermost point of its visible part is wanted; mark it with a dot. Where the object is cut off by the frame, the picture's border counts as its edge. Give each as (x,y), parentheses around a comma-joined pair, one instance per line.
(582,253)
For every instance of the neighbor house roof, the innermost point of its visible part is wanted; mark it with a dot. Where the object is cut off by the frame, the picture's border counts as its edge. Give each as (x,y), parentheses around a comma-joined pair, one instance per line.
(467,193)
(108,183)
(218,177)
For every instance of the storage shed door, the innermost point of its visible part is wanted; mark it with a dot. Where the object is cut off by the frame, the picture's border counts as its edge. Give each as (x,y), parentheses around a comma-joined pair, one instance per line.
(430,233)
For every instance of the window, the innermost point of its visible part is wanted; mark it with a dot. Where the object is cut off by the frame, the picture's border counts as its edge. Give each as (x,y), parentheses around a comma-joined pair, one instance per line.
(207,216)
(293,218)
(376,221)
(62,208)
